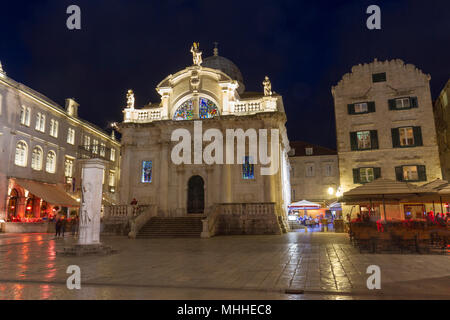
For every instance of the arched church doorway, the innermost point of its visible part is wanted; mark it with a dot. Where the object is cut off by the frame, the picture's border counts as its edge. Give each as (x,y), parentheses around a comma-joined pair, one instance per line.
(12,204)
(196,195)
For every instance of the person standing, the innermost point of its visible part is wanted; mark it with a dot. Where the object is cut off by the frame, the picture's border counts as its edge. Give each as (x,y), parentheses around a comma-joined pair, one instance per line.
(63,226)
(74,225)
(58,227)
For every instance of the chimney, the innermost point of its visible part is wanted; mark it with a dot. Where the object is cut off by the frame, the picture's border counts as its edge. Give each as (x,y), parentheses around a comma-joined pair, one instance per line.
(72,107)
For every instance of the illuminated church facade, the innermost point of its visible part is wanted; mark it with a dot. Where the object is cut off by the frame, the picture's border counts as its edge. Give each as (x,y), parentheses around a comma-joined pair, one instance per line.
(239,196)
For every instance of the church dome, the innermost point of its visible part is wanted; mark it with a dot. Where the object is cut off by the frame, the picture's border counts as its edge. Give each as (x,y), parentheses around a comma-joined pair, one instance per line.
(227,66)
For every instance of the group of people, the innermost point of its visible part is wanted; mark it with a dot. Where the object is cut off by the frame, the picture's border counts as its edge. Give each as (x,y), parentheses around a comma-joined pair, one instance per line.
(61,224)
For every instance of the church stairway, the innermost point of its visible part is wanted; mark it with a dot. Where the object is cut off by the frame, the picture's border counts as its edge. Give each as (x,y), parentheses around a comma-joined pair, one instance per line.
(171,227)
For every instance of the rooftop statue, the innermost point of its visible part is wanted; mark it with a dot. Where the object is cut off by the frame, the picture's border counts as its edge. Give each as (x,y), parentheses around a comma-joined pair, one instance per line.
(196,54)
(130,99)
(267,86)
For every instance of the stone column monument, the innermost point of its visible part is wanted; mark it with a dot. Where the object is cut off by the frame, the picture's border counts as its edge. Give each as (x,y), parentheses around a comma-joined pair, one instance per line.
(91,202)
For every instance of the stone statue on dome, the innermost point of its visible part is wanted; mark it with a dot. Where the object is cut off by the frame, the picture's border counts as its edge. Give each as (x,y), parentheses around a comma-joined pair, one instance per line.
(196,54)
(130,99)
(267,86)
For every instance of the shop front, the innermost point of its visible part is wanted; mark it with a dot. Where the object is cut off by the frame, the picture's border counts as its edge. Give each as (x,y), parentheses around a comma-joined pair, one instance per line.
(31,205)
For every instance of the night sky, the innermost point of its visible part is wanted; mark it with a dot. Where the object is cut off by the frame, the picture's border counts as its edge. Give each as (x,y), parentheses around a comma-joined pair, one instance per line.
(305,47)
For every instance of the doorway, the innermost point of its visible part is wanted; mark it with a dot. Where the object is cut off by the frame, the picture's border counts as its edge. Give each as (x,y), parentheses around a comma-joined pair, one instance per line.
(196,195)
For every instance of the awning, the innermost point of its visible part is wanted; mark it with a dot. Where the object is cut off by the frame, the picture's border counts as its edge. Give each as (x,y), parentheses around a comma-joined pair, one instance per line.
(48,192)
(304,205)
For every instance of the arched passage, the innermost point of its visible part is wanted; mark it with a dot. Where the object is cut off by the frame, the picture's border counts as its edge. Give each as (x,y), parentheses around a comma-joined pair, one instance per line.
(196,195)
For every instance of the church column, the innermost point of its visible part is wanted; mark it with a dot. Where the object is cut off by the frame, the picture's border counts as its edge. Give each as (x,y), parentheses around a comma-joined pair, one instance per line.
(164,176)
(181,190)
(196,106)
(226,183)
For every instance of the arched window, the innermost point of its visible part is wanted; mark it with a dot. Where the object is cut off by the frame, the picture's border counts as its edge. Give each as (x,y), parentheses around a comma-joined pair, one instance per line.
(50,165)
(21,154)
(185,111)
(207,109)
(36,158)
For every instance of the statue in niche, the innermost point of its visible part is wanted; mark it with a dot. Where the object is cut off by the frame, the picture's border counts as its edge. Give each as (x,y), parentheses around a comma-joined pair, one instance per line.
(130,99)
(196,54)
(267,86)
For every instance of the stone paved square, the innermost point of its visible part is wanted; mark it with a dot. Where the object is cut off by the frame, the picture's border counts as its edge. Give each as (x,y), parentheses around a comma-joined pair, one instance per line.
(324,265)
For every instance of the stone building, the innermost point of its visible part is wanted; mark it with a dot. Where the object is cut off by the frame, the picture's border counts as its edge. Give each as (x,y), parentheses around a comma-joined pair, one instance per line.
(385,126)
(208,97)
(314,173)
(40,143)
(442,118)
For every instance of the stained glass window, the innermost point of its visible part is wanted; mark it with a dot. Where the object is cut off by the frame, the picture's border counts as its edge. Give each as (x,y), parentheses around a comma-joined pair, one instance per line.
(207,109)
(185,111)
(248,169)
(146,172)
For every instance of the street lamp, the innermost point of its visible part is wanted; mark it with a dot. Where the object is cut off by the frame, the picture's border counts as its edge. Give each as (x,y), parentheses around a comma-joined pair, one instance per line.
(330,191)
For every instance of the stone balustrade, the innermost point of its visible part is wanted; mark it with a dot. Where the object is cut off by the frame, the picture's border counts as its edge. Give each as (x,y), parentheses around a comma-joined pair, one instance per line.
(247,107)
(142,115)
(117,218)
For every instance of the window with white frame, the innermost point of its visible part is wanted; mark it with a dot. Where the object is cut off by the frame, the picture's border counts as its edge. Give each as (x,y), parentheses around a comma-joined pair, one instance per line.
(113,154)
(40,122)
(54,128)
(71,136)
(25,113)
(37,158)
(366,175)
(68,167)
(21,154)
(406,136)
(50,164)
(410,173)
(309,151)
(102,149)
(87,142)
(361,107)
(103,176)
(363,139)
(402,103)
(95,146)
(309,170)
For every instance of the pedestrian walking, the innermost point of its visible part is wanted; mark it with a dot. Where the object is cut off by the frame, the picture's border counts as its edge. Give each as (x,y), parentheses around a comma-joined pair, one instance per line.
(74,225)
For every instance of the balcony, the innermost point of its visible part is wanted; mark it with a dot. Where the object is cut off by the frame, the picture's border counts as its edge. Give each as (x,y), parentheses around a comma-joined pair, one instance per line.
(93,151)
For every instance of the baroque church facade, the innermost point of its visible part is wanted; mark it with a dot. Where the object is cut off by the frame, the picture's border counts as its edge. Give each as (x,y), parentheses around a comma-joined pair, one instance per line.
(209,95)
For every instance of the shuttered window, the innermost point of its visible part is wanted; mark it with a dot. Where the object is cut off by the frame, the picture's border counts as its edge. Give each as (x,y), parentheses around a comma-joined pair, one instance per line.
(403,103)
(364,140)
(361,107)
(405,137)
(411,173)
(365,175)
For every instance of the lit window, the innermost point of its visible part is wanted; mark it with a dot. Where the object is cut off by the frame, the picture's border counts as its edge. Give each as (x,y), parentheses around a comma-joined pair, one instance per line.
(207,109)
(309,170)
(113,154)
(50,165)
(71,136)
(25,113)
(36,158)
(146,176)
(21,154)
(54,128)
(309,151)
(112,178)
(103,176)
(95,146)
(406,136)
(363,138)
(366,175)
(87,142)
(102,149)
(40,122)
(444,100)
(185,111)
(68,167)
(361,107)
(410,173)
(248,168)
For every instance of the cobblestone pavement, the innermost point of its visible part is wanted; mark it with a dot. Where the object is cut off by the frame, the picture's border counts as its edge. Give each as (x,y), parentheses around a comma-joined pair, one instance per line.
(324,265)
